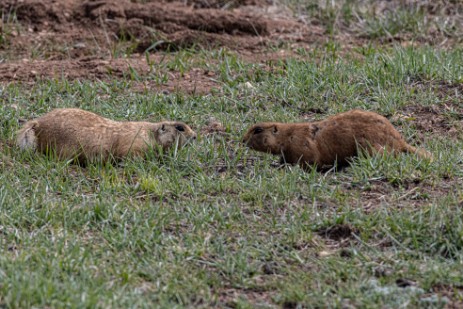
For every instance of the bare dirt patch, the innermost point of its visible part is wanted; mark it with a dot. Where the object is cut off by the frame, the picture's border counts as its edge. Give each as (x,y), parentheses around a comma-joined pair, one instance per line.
(229,297)
(439,119)
(414,193)
(454,294)
(72,69)
(75,39)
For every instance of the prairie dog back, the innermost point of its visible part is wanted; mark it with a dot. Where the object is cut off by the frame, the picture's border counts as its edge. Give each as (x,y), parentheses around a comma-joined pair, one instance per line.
(333,140)
(72,133)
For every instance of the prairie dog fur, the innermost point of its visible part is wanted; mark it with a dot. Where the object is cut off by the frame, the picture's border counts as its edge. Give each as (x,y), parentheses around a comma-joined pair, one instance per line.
(73,133)
(329,141)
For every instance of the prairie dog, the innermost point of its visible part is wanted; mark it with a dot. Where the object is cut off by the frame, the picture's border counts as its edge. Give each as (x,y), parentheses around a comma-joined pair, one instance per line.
(329,141)
(73,133)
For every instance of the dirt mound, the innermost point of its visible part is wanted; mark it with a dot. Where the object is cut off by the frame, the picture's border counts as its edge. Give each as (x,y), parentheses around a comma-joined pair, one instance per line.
(70,32)
(223,4)
(155,23)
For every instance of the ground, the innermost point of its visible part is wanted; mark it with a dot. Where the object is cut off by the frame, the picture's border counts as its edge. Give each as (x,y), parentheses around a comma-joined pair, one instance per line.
(215,224)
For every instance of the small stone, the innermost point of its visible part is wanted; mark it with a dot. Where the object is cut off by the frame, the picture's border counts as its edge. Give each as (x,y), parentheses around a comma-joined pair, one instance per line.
(325,253)
(80,45)
(249,85)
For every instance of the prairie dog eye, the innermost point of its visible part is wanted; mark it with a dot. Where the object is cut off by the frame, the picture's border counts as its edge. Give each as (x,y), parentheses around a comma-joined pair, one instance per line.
(258,130)
(180,128)
(163,128)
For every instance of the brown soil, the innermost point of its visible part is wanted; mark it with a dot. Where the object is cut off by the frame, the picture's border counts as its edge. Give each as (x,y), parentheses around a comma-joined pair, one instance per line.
(228,297)
(413,193)
(453,292)
(91,39)
(438,120)
(79,39)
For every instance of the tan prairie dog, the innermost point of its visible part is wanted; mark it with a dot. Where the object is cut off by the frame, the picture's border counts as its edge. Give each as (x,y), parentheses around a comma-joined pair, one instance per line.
(72,133)
(330,141)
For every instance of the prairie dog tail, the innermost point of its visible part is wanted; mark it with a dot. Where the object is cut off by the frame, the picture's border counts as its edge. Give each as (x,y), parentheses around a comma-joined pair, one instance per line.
(420,152)
(26,138)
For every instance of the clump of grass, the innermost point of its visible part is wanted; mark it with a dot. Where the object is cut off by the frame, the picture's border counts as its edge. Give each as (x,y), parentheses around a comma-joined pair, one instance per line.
(432,21)
(9,28)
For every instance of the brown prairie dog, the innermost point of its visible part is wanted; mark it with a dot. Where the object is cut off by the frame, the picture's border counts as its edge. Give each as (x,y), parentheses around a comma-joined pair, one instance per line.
(325,142)
(72,133)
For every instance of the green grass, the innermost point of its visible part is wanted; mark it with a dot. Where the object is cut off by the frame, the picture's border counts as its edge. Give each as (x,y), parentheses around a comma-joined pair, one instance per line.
(424,21)
(9,27)
(216,224)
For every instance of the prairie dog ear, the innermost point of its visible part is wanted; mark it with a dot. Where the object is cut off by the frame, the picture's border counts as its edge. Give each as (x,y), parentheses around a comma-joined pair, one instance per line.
(314,129)
(275,129)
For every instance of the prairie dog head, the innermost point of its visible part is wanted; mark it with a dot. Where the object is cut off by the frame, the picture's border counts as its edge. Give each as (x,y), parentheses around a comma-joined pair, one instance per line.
(265,136)
(169,132)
